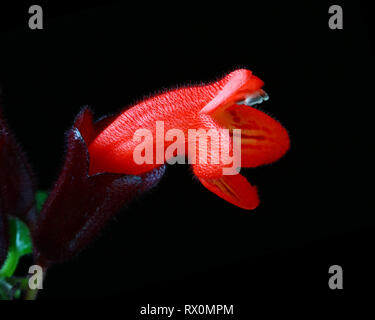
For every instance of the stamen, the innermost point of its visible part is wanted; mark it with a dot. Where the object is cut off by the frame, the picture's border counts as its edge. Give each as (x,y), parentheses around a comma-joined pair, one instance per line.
(255,98)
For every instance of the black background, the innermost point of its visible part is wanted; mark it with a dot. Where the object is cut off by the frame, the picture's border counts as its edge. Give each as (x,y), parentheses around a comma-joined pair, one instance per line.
(180,243)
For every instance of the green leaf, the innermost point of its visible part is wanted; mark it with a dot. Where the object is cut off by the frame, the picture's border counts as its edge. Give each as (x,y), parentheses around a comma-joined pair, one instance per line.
(40,197)
(12,288)
(19,245)
(5,290)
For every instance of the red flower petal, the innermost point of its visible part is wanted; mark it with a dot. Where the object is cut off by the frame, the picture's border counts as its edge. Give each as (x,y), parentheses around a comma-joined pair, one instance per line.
(234,189)
(237,84)
(263,139)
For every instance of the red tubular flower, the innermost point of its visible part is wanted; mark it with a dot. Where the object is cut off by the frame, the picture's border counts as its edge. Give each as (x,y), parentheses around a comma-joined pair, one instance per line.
(225,104)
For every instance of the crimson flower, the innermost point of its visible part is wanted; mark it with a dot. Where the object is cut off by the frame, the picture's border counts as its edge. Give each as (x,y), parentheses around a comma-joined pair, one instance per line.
(225,104)
(108,164)
(102,171)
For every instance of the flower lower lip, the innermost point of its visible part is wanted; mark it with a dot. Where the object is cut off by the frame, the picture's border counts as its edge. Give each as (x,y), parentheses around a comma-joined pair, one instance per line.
(255,98)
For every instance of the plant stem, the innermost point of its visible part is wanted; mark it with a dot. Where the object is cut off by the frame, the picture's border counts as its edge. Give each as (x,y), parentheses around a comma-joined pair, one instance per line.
(31,294)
